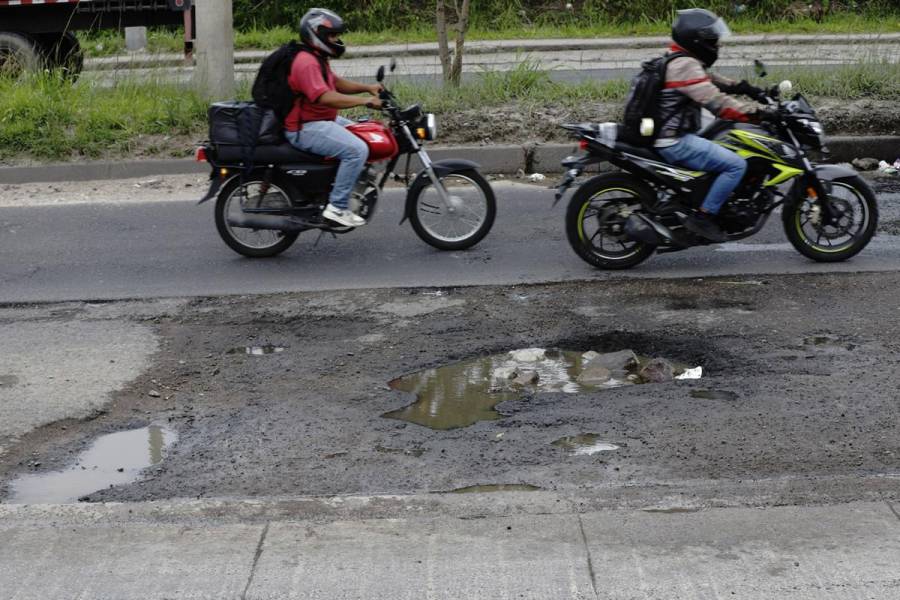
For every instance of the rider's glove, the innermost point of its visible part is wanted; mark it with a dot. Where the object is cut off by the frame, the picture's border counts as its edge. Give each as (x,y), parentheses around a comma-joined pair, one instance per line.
(748,89)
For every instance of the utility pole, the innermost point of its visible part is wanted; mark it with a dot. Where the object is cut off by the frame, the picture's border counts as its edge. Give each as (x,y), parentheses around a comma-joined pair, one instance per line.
(214,73)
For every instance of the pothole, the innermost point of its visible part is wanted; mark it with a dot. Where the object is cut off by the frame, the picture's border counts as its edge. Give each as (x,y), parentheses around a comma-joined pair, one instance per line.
(464,393)
(8,381)
(114,459)
(496,487)
(585,444)
(257,350)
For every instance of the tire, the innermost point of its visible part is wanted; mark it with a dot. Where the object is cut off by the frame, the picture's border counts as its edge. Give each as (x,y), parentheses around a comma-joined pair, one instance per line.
(278,241)
(19,53)
(425,209)
(614,186)
(852,192)
(63,52)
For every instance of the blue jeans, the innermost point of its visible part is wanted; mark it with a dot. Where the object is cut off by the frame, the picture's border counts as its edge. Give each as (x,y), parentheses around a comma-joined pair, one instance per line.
(331,139)
(695,152)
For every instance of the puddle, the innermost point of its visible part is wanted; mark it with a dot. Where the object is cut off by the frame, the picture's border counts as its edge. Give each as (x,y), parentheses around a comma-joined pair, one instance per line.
(462,394)
(585,444)
(114,459)
(257,350)
(496,487)
(714,395)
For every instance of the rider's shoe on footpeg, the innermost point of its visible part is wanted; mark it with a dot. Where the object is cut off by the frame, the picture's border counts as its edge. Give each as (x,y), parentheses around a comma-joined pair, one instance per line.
(342,216)
(702,224)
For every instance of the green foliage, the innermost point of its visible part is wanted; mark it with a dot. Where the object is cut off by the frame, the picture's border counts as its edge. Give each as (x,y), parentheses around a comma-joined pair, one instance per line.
(46,117)
(378,15)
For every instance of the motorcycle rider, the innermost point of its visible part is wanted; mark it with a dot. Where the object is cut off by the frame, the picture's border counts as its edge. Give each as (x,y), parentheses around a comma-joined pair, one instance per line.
(697,32)
(314,124)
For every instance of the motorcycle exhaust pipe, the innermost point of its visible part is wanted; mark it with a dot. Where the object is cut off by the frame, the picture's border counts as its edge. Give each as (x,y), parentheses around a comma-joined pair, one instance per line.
(641,229)
(274,222)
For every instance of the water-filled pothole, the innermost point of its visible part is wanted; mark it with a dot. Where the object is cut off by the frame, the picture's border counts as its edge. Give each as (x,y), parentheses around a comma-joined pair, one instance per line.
(585,444)
(496,487)
(464,393)
(114,459)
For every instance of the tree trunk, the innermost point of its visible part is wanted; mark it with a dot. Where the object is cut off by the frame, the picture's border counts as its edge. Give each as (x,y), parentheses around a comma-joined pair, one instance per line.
(452,65)
(443,43)
(462,27)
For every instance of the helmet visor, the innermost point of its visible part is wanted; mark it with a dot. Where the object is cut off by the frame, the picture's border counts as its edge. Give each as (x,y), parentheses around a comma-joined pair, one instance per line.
(716,31)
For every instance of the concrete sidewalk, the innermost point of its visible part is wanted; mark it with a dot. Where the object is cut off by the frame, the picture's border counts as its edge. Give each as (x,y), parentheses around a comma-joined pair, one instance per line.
(144,59)
(510,545)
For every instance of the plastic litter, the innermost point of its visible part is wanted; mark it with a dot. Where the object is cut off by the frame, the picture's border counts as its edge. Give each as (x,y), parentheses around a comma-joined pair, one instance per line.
(889,169)
(695,373)
(536,177)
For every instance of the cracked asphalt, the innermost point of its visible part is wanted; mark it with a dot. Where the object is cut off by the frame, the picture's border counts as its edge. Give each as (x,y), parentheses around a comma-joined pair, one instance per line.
(810,362)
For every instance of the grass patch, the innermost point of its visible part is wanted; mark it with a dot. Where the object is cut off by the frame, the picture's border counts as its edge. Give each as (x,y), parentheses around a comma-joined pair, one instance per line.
(107,42)
(45,117)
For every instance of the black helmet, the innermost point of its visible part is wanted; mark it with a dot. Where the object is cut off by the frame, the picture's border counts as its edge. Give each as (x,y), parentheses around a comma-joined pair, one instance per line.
(315,27)
(699,31)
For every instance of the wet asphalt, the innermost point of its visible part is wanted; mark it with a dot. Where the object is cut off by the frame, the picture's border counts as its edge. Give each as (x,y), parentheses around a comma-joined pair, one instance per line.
(803,370)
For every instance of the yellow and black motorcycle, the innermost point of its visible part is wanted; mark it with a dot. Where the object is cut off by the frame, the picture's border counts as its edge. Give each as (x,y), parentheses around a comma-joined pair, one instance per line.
(618,219)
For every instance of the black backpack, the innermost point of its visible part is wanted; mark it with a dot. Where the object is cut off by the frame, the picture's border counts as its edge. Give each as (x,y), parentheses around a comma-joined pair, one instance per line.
(642,100)
(270,88)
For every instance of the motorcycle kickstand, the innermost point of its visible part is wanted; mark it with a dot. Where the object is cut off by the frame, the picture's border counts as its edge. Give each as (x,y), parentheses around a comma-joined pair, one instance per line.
(322,232)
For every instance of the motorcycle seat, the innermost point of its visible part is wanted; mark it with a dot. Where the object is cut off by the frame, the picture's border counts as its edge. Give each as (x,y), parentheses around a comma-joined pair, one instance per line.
(641,151)
(269,154)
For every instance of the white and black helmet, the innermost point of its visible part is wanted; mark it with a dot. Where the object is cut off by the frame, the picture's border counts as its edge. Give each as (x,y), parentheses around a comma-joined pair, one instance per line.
(315,27)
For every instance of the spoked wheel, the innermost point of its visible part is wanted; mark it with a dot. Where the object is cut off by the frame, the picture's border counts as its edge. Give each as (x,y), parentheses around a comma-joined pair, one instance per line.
(595,221)
(461,222)
(235,200)
(855,219)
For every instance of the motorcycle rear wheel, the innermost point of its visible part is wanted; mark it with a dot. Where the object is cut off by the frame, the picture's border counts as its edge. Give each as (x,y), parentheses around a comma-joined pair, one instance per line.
(604,199)
(833,243)
(252,243)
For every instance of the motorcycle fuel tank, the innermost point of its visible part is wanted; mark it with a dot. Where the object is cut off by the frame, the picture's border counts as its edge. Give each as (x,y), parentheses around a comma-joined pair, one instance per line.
(380,140)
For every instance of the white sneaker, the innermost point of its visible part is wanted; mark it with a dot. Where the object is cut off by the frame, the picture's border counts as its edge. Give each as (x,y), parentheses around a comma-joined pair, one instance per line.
(342,216)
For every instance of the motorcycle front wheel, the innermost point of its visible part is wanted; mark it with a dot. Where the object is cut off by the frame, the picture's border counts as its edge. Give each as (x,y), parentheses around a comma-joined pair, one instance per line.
(460,223)
(234,199)
(857,218)
(595,221)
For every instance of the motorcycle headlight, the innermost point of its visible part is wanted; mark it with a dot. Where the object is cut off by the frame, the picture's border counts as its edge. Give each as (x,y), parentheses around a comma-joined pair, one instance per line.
(431,125)
(813,126)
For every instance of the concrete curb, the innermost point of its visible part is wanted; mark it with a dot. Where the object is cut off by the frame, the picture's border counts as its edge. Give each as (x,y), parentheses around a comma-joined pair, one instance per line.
(137,60)
(531,158)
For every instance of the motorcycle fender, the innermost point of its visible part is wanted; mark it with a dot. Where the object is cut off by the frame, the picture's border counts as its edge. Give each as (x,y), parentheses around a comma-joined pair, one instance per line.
(215,184)
(441,168)
(834,172)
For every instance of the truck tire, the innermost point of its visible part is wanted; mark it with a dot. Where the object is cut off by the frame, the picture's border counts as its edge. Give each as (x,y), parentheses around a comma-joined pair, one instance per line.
(18,53)
(62,51)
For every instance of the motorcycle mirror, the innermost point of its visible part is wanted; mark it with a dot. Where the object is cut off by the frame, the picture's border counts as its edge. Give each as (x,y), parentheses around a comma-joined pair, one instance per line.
(760,68)
(785,88)
(393,64)
(380,76)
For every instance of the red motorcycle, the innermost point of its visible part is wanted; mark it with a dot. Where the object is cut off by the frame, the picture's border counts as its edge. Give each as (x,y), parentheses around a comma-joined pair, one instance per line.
(268,192)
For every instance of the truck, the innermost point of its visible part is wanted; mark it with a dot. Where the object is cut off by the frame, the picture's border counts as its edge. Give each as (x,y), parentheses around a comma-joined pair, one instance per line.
(39,34)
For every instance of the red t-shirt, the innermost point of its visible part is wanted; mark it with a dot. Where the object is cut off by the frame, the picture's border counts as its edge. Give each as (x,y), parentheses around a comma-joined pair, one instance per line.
(306,79)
